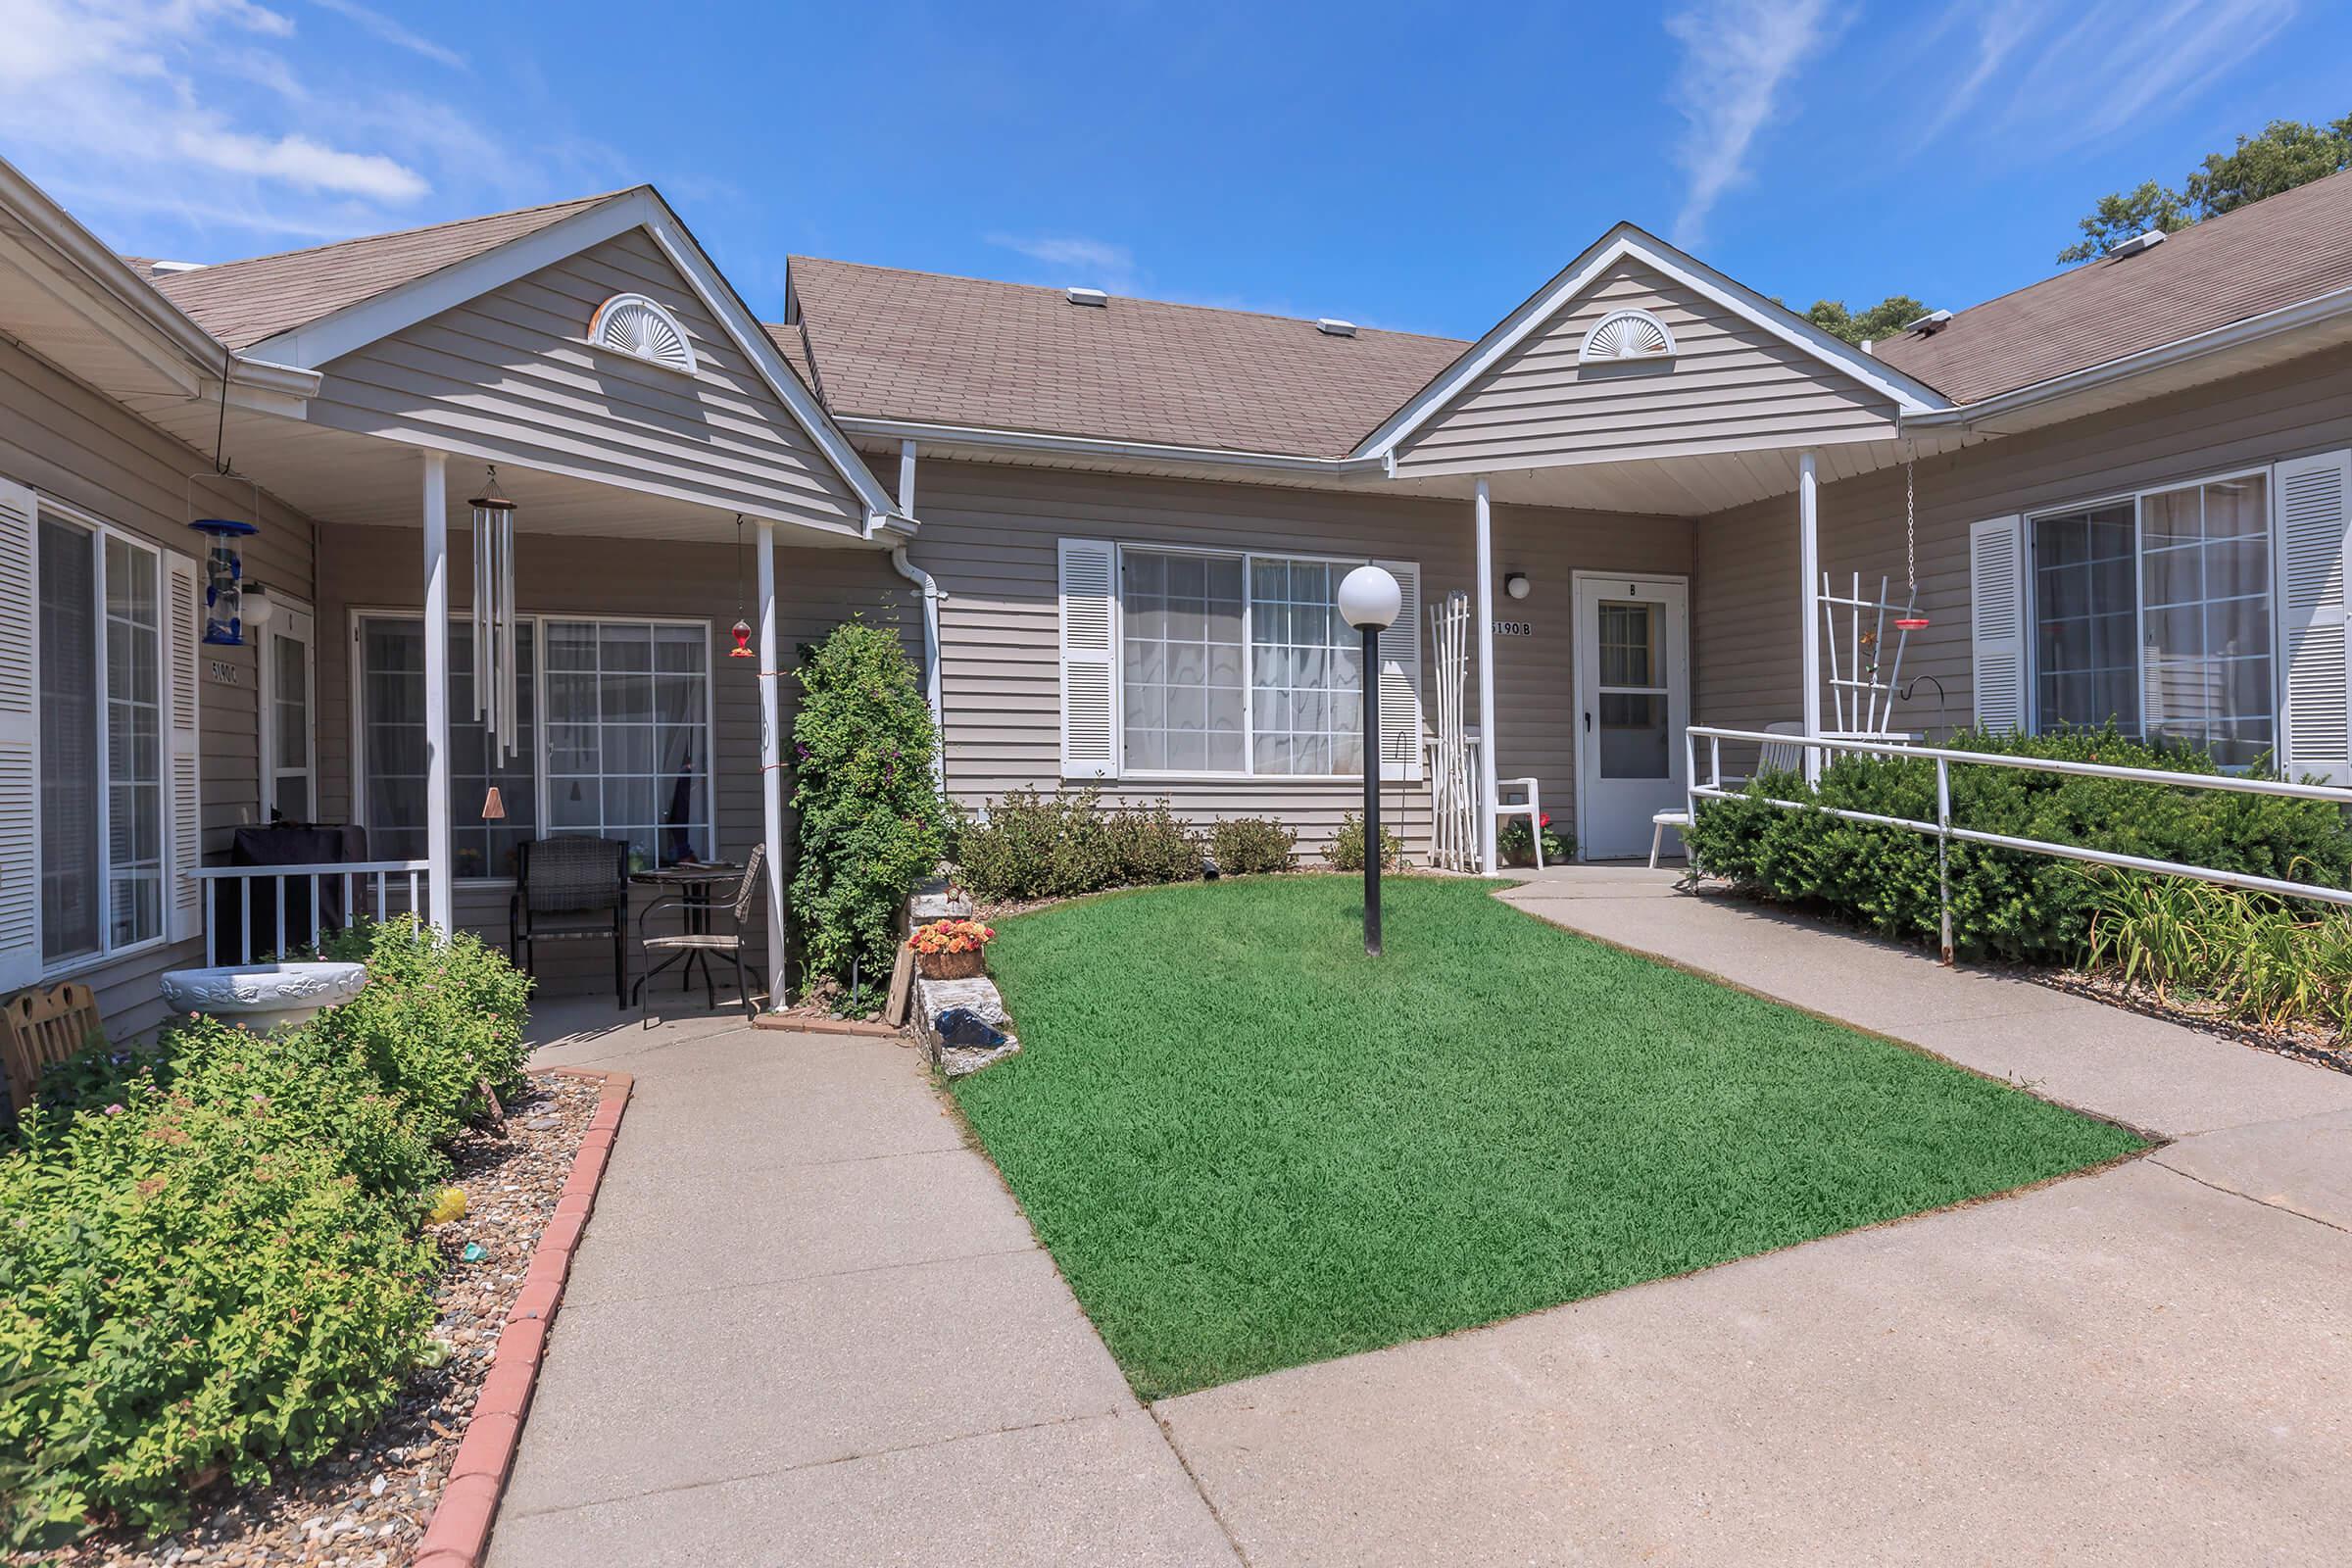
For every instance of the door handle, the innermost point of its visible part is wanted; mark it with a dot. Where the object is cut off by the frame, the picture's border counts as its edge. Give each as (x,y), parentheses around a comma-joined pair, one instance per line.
(1588,721)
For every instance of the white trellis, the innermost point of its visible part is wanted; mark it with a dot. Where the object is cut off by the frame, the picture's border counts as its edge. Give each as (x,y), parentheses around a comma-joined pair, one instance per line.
(1863,685)
(1454,792)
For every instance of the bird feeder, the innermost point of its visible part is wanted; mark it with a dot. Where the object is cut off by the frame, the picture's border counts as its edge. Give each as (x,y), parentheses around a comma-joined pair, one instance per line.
(224,564)
(742,628)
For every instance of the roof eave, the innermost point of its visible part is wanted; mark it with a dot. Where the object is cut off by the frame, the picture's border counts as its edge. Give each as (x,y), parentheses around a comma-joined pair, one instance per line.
(1000,439)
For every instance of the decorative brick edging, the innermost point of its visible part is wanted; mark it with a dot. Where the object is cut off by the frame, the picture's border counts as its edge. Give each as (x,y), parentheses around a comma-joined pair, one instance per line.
(459,1530)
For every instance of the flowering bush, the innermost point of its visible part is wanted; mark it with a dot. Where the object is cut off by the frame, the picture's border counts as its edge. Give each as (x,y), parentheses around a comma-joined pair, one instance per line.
(1517,846)
(951,936)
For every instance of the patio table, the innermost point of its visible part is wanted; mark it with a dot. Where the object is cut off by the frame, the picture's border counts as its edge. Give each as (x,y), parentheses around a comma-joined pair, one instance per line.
(693,881)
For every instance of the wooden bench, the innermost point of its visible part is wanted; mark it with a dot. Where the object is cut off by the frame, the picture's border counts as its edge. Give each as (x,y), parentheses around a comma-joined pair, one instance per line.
(41,1028)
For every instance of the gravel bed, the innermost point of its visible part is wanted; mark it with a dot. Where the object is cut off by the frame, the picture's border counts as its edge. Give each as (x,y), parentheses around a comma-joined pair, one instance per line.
(367,1505)
(2322,1048)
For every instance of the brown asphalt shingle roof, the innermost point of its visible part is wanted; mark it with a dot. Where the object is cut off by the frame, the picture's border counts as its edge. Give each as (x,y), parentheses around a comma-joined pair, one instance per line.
(242,303)
(2263,256)
(919,346)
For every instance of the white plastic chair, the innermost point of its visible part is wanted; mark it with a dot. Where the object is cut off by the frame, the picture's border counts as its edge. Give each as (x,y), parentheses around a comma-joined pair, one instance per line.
(1530,809)
(1774,757)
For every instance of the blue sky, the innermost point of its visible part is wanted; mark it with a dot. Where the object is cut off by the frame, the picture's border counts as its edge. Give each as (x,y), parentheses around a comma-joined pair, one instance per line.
(1423,167)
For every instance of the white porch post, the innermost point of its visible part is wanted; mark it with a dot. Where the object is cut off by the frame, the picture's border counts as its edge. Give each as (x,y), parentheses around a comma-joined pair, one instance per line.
(1489,739)
(1809,565)
(772,766)
(439,853)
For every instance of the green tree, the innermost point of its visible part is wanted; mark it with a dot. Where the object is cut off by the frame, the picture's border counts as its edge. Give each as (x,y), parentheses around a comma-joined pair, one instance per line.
(2288,153)
(1882,320)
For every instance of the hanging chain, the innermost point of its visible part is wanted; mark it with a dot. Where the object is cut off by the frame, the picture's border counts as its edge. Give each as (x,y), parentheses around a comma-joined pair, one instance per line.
(739,565)
(1910,523)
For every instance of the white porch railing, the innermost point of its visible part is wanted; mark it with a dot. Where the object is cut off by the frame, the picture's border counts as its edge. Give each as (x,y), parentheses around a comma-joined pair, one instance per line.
(382,888)
(1946,834)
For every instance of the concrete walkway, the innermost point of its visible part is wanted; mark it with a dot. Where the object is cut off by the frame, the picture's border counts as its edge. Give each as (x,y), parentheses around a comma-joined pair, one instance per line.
(2151,1364)
(809,1326)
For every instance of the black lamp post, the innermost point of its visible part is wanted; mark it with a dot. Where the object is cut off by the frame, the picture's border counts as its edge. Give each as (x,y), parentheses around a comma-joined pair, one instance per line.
(1369,599)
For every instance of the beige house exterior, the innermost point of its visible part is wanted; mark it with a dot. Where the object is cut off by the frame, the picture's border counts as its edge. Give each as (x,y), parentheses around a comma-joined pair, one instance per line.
(1106,529)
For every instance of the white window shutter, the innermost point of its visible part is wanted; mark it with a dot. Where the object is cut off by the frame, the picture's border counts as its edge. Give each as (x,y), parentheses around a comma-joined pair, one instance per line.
(183,781)
(2315,718)
(19,739)
(1090,651)
(1996,573)
(1401,677)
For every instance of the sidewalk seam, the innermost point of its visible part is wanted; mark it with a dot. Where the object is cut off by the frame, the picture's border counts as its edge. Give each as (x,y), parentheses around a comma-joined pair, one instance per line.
(2155,1159)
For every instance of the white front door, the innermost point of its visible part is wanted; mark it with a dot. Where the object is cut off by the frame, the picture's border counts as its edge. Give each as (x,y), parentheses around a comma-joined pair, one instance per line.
(1633,697)
(288,717)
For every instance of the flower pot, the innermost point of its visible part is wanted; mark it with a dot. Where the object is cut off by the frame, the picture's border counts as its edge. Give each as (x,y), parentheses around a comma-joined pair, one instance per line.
(951,965)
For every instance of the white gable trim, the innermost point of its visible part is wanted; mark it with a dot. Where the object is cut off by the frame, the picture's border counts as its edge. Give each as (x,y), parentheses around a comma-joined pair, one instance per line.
(331,336)
(1625,241)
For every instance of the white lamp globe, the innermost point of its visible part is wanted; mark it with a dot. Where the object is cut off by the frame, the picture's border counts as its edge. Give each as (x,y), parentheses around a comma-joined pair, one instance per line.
(1370,597)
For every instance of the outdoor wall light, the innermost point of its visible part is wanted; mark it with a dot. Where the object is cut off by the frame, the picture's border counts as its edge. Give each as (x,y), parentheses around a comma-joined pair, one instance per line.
(1369,600)
(1515,584)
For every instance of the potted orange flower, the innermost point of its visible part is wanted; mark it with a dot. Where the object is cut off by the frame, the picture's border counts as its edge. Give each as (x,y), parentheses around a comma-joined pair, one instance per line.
(950,949)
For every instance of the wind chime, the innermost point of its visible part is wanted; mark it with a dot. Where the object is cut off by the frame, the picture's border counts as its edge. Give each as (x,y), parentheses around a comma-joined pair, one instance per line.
(497,691)
(742,627)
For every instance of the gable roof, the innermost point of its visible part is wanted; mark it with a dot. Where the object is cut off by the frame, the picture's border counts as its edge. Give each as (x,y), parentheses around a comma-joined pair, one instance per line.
(242,303)
(923,347)
(2259,258)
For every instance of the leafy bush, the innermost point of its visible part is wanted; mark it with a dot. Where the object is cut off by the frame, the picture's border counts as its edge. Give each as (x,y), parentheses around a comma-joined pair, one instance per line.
(2253,957)
(1347,850)
(210,1258)
(1517,846)
(872,825)
(2004,902)
(1036,845)
(1248,846)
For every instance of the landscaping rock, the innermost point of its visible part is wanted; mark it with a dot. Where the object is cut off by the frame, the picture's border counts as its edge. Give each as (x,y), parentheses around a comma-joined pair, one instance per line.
(937,1002)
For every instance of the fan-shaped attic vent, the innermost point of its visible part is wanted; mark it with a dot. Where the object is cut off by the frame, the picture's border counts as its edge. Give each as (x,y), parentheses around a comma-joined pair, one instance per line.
(1627,335)
(632,324)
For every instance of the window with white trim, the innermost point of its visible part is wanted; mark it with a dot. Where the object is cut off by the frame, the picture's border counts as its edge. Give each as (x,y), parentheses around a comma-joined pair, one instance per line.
(1238,663)
(2154,612)
(102,810)
(614,740)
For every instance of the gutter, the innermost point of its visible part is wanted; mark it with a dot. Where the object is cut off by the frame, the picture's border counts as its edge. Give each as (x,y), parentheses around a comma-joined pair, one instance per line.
(905,430)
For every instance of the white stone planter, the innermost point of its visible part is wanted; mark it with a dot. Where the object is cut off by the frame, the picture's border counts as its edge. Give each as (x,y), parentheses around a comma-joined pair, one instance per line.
(263,995)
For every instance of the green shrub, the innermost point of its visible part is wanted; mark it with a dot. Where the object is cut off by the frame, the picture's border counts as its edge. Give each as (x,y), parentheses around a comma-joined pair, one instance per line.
(1031,845)
(190,1287)
(872,825)
(435,1022)
(1248,846)
(1347,850)
(2005,903)
(1516,845)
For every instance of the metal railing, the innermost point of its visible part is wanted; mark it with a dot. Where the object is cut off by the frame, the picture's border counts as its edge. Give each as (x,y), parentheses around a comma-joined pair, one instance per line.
(1946,834)
(387,880)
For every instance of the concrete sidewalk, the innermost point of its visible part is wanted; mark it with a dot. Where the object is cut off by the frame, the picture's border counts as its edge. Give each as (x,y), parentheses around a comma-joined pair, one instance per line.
(808,1325)
(2149,1364)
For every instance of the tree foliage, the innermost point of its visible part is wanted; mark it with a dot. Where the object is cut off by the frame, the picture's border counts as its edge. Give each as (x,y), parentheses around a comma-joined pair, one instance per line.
(2286,154)
(1882,320)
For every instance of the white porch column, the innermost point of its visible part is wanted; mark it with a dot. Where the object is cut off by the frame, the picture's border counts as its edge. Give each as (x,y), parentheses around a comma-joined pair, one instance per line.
(772,766)
(1809,565)
(1490,738)
(440,904)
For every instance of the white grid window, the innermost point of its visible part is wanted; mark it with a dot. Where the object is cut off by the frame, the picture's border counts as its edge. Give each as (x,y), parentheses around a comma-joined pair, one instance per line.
(2085,616)
(628,754)
(1307,671)
(392,701)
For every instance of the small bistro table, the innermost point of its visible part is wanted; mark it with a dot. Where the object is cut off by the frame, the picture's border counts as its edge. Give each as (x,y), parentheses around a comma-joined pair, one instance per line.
(693,881)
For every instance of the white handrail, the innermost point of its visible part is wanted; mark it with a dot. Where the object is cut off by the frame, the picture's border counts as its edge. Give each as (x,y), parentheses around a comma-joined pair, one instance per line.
(244,876)
(1944,833)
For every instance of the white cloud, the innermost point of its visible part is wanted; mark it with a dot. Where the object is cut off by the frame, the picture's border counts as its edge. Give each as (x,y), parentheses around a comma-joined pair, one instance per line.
(1738,56)
(1094,262)
(300,160)
(393,33)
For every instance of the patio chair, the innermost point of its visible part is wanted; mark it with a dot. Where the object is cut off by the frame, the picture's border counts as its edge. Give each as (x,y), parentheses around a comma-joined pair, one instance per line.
(1528,805)
(1773,756)
(699,938)
(38,1029)
(572,889)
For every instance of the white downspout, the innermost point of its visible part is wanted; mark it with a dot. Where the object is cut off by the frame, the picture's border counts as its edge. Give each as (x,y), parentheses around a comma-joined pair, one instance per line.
(933,595)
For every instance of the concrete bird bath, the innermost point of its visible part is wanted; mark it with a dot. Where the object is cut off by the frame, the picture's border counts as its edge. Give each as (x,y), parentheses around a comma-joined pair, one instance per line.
(263,995)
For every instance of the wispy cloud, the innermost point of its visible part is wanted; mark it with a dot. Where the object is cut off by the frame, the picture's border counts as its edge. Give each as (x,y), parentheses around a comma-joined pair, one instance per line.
(2058,79)
(166,119)
(393,33)
(1738,58)
(1094,262)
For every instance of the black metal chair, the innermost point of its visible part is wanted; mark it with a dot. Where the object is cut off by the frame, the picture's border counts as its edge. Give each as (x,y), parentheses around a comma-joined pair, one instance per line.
(572,889)
(699,938)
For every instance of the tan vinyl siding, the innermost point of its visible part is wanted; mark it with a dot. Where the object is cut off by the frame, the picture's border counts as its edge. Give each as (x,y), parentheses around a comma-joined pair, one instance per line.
(1730,386)
(510,373)
(81,447)
(989,535)
(383,569)
(1745,627)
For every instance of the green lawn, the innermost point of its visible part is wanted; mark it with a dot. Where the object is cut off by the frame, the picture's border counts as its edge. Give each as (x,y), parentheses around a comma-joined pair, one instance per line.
(1248,1145)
